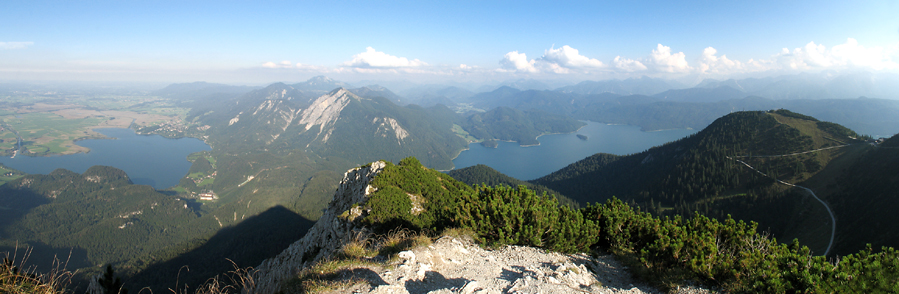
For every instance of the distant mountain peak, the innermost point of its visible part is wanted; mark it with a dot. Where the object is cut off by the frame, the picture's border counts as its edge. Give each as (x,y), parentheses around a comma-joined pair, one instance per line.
(320,83)
(319,80)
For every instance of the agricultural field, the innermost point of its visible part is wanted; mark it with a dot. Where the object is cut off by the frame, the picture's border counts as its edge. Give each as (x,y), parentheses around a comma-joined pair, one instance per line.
(52,125)
(8,174)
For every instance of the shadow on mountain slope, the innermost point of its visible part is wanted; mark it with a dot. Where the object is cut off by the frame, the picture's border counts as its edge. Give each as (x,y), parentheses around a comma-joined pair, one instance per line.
(247,244)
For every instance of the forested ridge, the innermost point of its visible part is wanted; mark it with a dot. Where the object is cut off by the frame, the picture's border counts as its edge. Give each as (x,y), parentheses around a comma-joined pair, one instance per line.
(484,175)
(699,174)
(730,254)
(509,124)
(261,174)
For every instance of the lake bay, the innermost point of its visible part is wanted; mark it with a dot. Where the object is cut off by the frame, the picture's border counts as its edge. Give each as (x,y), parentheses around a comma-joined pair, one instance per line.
(148,160)
(559,150)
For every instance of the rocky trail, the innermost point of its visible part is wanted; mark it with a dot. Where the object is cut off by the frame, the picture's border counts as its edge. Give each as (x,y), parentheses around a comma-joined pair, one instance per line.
(454,265)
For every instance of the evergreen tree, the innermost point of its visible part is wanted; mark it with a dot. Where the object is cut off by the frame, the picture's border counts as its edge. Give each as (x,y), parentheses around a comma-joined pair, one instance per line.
(110,283)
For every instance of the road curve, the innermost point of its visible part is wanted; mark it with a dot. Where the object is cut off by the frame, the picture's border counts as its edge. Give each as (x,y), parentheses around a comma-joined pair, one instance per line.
(833,220)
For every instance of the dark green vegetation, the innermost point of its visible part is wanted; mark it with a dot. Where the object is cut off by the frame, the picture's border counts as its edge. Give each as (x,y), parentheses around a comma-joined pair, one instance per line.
(99,217)
(508,124)
(110,284)
(729,254)
(863,197)
(486,176)
(274,166)
(699,174)
(278,153)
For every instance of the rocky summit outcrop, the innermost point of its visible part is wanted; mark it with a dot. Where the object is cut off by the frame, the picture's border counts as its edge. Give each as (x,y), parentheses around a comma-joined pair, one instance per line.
(457,265)
(329,234)
(448,265)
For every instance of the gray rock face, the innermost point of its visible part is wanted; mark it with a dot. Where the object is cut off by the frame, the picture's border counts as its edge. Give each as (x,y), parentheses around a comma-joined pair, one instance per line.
(333,230)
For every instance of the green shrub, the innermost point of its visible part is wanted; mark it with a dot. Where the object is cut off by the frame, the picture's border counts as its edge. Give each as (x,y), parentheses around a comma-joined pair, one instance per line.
(728,254)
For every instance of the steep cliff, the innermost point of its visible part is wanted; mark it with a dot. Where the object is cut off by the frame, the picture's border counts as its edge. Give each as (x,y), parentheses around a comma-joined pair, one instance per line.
(329,234)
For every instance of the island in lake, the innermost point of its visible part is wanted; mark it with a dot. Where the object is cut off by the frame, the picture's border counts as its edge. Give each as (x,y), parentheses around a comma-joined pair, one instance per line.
(582,137)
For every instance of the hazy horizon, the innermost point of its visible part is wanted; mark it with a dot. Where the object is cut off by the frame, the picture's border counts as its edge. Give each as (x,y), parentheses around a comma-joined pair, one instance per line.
(462,42)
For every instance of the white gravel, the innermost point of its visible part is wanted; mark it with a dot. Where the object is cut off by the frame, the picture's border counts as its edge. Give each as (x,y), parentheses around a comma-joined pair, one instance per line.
(453,265)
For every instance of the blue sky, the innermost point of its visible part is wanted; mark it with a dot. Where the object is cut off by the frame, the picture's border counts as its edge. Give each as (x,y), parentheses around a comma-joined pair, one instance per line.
(252,43)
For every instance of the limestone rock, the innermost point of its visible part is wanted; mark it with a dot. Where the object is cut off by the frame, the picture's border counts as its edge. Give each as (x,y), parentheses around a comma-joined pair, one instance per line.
(338,226)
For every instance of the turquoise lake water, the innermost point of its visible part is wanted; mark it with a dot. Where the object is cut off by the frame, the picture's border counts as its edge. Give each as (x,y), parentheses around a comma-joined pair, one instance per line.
(560,150)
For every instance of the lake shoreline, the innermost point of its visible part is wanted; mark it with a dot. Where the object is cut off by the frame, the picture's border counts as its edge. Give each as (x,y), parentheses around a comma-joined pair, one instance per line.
(526,162)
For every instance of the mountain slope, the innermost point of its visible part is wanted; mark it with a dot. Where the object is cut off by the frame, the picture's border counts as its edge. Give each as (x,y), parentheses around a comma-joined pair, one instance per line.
(100,214)
(697,173)
(484,175)
(632,86)
(509,124)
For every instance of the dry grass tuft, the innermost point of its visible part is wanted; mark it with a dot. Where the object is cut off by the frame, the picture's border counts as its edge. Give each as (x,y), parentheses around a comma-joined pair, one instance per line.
(343,272)
(18,279)
(231,282)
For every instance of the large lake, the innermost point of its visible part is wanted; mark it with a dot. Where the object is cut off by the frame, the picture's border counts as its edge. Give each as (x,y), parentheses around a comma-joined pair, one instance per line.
(148,160)
(560,150)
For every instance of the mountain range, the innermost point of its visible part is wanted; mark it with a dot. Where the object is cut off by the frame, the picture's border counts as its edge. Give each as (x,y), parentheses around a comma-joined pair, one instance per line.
(280,151)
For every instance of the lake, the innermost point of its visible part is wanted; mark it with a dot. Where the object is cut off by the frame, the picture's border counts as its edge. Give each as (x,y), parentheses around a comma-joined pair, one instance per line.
(148,160)
(560,150)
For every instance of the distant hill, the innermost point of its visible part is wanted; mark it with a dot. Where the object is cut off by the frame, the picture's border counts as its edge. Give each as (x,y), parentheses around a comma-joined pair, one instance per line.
(632,86)
(484,175)
(701,94)
(377,91)
(509,124)
(697,174)
(199,89)
(825,85)
(497,97)
(437,94)
(320,84)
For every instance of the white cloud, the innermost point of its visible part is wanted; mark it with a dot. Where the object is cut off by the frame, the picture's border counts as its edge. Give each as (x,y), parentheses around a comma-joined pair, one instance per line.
(847,55)
(374,59)
(282,64)
(569,57)
(662,60)
(15,45)
(709,62)
(627,65)
(514,61)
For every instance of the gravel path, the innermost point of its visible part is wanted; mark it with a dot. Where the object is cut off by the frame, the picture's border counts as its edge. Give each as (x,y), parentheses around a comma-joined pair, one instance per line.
(452,265)
(833,219)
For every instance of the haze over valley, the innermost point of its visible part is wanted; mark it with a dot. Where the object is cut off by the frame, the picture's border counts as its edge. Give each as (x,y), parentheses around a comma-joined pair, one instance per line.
(148,139)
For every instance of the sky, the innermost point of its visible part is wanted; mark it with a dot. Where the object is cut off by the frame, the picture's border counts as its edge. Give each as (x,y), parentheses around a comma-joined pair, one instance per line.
(260,42)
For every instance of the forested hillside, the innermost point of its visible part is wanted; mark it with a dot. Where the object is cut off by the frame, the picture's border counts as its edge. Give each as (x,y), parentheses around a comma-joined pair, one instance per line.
(700,173)
(484,175)
(509,124)
(728,254)
(99,213)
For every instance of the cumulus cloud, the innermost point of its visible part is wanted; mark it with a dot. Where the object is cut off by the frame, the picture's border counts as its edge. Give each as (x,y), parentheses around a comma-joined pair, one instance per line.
(282,64)
(569,57)
(627,65)
(662,60)
(374,59)
(556,60)
(850,54)
(709,62)
(15,45)
(518,62)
